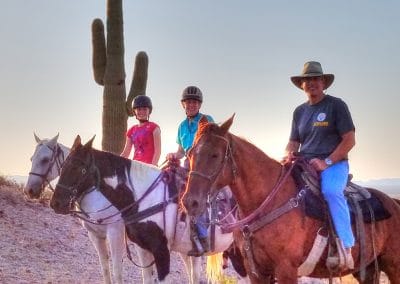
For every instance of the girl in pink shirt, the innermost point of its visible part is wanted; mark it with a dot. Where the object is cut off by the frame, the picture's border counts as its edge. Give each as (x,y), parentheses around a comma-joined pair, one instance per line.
(145,136)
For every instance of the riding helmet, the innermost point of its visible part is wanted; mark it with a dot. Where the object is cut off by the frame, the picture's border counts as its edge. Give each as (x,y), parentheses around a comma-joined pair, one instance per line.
(192,92)
(142,101)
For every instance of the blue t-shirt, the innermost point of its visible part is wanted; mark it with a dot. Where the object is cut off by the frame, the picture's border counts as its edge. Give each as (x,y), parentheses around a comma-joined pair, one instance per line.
(319,128)
(187,130)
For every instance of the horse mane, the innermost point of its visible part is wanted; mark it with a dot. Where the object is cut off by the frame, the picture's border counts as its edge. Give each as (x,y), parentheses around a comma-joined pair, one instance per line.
(215,129)
(112,164)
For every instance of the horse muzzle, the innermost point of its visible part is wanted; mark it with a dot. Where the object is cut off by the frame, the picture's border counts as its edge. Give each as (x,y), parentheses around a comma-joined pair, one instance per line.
(33,192)
(194,206)
(60,207)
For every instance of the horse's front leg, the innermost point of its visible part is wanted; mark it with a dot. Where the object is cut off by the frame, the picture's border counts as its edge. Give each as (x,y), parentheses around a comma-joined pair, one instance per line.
(102,251)
(116,240)
(286,274)
(145,259)
(193,268)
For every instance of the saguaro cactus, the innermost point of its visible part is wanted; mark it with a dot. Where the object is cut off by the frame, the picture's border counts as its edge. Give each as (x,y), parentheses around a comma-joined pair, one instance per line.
(109,71)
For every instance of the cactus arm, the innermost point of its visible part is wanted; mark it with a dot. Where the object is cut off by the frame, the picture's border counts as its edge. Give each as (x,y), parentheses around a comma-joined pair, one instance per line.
(99,51)
(139,80)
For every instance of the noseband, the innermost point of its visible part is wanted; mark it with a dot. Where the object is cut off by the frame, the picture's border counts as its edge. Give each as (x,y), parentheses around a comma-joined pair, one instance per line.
(228,156)
(57,158)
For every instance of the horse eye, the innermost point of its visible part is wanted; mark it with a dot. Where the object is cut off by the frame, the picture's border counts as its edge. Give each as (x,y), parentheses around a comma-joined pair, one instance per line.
(45,161)
(214,155)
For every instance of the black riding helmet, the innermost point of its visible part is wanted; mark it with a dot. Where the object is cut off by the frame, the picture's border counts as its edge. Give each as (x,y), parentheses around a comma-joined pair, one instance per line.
(142,101)
(192,92)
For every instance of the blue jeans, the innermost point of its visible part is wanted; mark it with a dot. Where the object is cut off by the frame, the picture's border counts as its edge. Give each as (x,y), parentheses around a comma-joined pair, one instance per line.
(333,183)
(201,221)
(201,225)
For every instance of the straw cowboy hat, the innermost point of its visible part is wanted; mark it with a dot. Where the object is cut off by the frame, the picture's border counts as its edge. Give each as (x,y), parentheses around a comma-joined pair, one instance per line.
(313,69)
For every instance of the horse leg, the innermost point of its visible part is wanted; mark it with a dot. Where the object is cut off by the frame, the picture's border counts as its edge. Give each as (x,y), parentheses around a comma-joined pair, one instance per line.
(266,279)
(390,265)
(193,268)
(102,251)
(145,259)
(234,254)
(116,239)
(286,274)
(371,275)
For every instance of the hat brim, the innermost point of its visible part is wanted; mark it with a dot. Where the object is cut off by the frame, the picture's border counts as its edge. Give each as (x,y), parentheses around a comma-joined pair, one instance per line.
(328,78)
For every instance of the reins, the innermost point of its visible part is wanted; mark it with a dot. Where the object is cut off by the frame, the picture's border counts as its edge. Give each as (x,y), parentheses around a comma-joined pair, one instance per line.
(285,173)
(132,218)
(228,155)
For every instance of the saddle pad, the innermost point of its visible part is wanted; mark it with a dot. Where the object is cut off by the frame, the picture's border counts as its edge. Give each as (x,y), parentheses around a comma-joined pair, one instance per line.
(315,208)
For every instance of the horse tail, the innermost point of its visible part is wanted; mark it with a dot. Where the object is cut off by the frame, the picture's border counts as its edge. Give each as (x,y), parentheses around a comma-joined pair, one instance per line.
(214,268)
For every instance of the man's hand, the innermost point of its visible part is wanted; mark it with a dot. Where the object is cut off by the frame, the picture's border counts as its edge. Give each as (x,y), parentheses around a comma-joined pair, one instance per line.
(288,159)
(318,164)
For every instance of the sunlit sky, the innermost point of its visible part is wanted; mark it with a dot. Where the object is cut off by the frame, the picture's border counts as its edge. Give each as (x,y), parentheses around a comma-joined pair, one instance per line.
(240,53)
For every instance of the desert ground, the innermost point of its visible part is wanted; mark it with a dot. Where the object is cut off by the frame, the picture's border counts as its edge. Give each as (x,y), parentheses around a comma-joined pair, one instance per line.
(39,246)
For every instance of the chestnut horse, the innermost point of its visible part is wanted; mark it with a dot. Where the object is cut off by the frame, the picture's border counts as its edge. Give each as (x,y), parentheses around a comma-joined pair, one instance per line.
(260,186)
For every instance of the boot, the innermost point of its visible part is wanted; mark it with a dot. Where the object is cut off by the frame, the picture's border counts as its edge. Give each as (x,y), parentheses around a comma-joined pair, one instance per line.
(205,244)
(349,258)
(197,247)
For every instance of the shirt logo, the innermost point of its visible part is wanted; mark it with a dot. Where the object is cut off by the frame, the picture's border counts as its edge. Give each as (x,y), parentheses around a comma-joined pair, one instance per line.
(321,116)
(320,120)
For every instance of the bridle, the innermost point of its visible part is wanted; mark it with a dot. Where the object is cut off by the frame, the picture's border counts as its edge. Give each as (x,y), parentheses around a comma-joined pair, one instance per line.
(73,190)
(57,159)
(256,213)
(228,156)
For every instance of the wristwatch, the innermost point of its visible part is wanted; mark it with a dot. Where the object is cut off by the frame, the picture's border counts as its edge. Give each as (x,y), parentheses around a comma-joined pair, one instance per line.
(328,162)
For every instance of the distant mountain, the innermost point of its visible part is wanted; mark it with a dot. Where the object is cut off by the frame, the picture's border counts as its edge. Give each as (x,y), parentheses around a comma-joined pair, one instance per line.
(390,186)
(18,179)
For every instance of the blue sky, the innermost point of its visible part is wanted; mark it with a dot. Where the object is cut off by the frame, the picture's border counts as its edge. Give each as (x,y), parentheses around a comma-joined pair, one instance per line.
(240,53)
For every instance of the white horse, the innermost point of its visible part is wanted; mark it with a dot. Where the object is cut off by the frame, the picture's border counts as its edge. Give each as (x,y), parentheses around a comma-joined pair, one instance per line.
(46,166)
(97,208)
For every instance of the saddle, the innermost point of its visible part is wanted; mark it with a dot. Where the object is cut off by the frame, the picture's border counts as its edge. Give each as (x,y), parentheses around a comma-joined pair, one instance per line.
(359,198)
(364,205)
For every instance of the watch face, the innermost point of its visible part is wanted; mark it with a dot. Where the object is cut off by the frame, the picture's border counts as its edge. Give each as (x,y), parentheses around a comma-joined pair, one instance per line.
(328,161)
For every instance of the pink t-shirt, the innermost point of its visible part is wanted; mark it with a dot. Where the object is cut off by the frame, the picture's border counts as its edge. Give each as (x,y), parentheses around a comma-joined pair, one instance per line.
(143,141)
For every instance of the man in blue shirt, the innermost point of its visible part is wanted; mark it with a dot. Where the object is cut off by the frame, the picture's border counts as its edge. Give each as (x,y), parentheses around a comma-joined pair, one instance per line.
(191,101)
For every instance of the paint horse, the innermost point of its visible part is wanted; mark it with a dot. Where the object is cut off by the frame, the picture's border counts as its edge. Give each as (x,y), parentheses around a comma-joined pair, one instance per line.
(145,202)
(263,188)
(47,160)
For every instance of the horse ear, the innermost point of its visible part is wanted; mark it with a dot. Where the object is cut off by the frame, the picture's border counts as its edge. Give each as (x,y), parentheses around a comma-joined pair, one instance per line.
(77,143)
(38,140)
(227,124)
(89,143)
(53,141)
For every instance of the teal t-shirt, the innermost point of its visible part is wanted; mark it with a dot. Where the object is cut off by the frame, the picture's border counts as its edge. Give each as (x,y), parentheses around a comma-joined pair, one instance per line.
(187,130)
